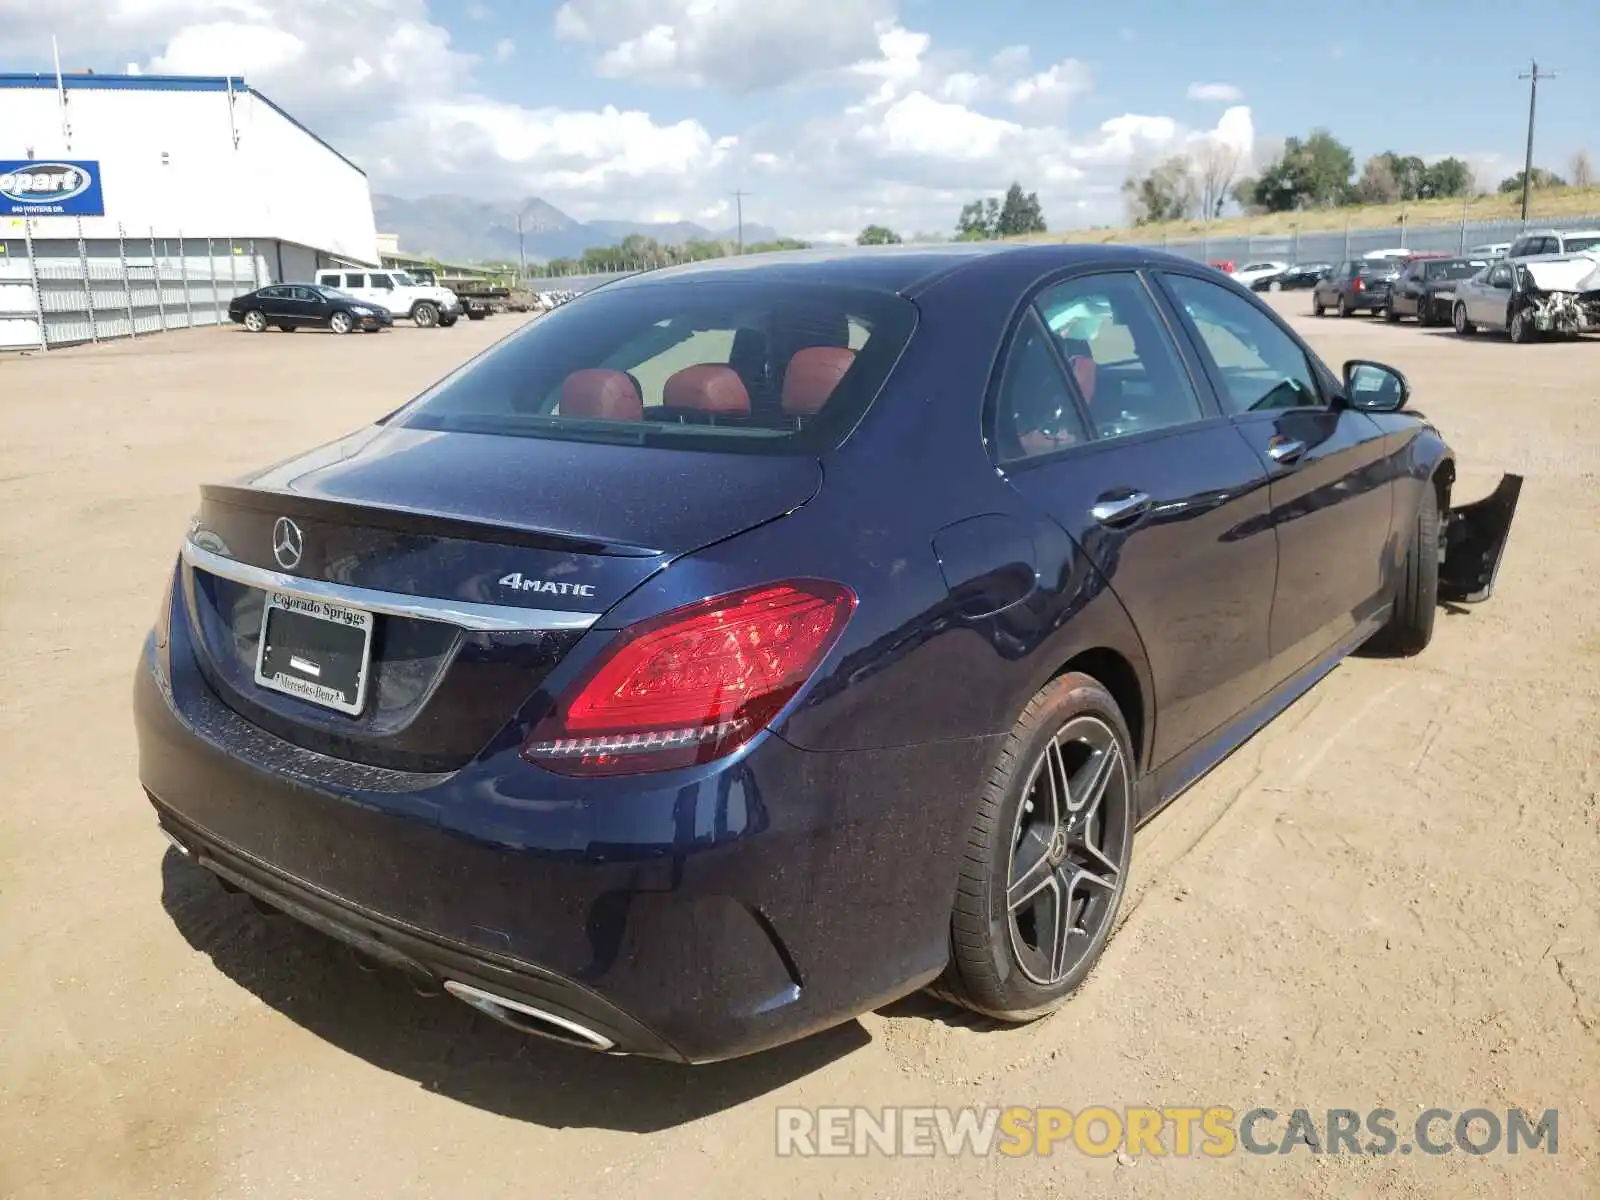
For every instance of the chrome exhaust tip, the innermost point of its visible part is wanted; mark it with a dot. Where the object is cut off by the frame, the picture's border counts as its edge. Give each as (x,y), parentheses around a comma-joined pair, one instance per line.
(527,1019)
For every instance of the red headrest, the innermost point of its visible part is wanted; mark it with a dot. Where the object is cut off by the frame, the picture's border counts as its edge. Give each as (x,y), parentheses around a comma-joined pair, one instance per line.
(812,375)
(1083,370)
(708,387)
(602,394)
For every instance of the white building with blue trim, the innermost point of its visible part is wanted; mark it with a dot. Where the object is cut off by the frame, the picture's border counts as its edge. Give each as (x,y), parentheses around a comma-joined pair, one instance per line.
(136,157)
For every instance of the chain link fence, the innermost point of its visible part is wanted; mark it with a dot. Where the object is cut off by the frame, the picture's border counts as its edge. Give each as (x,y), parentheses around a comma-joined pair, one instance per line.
(63,292)
(1336,245)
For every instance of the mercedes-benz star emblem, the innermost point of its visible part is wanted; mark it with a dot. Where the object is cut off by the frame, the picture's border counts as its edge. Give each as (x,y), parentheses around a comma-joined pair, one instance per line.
(287,543)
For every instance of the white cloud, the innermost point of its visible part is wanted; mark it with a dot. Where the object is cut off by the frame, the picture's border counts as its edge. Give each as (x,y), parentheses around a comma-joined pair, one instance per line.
(1052,89)
(504,49)
(738,45)
(918,128)
(1218,93)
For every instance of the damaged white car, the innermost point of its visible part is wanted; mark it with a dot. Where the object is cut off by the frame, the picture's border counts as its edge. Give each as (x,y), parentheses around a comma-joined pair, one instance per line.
(1557,296)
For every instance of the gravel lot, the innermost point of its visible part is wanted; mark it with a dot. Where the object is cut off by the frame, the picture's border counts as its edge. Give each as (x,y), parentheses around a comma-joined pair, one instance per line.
(1389,898)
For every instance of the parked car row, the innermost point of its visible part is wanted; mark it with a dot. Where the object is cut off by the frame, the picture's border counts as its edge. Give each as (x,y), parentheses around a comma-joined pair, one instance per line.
(1526,293)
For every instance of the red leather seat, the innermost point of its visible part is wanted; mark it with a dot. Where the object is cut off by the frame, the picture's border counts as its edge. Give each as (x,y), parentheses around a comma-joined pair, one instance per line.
(601,394)
(1083,370)
(709,388)
(811,377)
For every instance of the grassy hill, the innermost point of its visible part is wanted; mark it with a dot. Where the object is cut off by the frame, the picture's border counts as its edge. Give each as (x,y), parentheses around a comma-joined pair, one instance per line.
(1543,205)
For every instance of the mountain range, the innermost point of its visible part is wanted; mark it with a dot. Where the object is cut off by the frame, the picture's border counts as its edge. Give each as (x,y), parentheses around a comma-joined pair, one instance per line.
(462,229)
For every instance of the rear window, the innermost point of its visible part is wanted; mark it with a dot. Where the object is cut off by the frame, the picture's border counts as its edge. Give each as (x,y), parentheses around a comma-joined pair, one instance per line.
(739,366)
(1456,269)
(1586,242)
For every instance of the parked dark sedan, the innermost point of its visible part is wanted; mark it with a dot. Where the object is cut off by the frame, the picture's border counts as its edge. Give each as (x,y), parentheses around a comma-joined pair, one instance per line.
(291,306)
(1296,278)
(1357,285)
(1426,288)
(744,645)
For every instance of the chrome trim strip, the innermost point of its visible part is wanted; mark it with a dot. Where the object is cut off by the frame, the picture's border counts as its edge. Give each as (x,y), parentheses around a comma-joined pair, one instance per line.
(490,618)
(488,1002)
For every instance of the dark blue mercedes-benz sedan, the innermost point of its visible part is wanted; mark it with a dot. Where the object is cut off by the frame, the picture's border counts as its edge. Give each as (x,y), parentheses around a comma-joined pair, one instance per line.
(742,646)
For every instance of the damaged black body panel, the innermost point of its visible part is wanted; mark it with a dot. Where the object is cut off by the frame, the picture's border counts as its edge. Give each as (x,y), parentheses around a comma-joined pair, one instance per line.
(1472,541)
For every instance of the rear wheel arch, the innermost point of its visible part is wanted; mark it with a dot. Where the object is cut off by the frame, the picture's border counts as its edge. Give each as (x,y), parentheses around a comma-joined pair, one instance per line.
(1112,671)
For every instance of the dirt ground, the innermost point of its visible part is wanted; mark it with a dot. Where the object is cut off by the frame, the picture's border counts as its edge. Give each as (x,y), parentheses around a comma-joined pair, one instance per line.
(1391,898)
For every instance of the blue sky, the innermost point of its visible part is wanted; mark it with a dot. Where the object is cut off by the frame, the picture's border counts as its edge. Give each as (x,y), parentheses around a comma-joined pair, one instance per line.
(835,114)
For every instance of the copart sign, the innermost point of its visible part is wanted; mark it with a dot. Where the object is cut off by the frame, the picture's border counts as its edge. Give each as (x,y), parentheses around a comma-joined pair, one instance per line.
(50,189)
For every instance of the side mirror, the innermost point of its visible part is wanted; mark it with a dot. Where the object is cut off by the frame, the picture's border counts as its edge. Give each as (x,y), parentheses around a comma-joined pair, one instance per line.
(1374,387)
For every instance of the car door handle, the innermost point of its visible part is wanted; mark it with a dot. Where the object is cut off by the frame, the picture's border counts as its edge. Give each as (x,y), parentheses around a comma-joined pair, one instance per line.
(1286,450)
(1120,508)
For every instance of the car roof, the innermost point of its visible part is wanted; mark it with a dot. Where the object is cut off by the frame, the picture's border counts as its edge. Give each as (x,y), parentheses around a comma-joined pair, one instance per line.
(907,270)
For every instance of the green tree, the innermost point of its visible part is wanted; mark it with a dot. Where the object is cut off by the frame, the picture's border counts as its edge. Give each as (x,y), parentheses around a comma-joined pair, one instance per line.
(979,221)
(1019,213)
(1168,193)
(877,235)
(1378,184)
(1541,179)
(1314,173)
(1447,177)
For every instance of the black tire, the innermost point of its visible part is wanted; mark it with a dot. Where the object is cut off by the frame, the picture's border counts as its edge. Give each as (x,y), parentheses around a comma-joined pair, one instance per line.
(997,966)
(1317,307)
(1424,313)
(1458,317)
(425,314)
(1344,307)
(286,328)
(1391,316)
(476,316)
(255,321)
(1416,593)
(1519,329)
(447,321)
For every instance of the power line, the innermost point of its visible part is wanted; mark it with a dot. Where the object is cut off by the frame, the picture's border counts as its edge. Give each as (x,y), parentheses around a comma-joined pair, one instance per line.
(1533,76)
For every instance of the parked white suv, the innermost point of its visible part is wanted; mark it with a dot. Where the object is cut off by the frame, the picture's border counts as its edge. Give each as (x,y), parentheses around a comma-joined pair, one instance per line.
(1554,241)
(399,293)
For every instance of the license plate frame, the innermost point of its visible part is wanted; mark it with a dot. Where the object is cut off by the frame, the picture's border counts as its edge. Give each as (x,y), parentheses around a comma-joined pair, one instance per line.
(299,670)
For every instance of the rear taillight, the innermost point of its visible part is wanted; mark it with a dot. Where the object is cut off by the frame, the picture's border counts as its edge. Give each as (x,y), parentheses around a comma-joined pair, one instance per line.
(1358,284)
(692,684)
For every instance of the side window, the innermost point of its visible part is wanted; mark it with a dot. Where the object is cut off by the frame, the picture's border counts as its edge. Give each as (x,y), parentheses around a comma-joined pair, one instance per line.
(328,280)
(1520,246)
(305,293)
(1260,365)
(272,293)
(382,281)
(354,281)
(1036,413)
(1120,354)
(1500,276)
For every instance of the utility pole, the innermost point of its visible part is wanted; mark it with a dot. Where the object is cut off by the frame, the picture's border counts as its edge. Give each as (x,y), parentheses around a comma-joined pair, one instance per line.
(522,254)
(738,203)
(1533,76)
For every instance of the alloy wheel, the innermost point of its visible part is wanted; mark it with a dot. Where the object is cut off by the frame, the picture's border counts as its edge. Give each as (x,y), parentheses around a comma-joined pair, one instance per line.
(340,322)
(1070,836)
(255,321)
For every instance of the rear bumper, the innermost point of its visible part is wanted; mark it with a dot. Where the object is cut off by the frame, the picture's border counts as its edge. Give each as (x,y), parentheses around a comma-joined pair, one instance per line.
(682,917)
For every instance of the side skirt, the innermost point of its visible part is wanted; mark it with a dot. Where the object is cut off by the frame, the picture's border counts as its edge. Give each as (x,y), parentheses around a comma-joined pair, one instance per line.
(1194,764)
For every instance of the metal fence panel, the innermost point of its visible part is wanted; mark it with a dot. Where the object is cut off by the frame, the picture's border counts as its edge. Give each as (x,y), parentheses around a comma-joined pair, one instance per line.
(62,292)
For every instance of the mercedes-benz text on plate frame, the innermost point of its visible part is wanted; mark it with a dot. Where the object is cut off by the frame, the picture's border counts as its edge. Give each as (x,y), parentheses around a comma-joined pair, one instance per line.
(315,650)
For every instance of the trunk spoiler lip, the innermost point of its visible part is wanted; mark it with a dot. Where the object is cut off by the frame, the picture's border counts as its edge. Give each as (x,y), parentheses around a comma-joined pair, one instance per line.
(1473,542)
(401,519)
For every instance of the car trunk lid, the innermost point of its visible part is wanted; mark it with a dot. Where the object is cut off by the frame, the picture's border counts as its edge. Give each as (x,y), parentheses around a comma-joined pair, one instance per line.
(479,560)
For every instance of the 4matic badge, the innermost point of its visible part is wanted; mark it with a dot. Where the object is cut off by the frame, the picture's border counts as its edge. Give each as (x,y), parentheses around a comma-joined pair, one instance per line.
(522,583)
